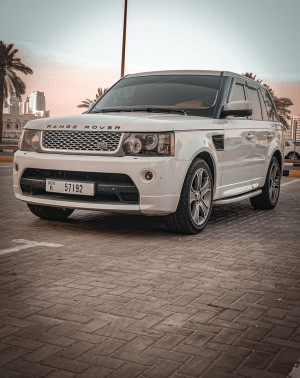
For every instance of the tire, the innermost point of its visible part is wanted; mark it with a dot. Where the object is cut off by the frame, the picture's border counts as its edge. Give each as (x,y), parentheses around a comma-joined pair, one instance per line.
(292,156)
(268,199)
(195,203)
(54,213)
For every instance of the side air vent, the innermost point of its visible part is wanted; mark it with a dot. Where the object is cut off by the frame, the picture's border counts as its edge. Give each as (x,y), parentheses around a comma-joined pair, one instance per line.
(218,142)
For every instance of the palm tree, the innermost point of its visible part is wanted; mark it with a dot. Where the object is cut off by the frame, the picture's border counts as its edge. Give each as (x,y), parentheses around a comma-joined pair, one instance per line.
(87,102)
(9,82)
(281,103)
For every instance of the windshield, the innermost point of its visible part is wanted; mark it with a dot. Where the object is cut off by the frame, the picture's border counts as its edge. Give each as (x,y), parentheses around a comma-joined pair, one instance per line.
(191,94)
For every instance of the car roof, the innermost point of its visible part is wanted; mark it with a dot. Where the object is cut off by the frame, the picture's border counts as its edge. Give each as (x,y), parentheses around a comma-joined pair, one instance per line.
(193,72)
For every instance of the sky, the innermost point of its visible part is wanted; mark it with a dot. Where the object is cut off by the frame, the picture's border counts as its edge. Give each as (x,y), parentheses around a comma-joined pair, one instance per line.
(74,47)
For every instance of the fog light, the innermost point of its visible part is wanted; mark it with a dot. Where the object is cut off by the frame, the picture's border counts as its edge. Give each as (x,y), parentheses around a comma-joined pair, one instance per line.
(148,176)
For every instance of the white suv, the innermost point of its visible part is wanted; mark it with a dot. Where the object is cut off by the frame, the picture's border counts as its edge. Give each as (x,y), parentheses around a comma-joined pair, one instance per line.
(292,149)
(166,143)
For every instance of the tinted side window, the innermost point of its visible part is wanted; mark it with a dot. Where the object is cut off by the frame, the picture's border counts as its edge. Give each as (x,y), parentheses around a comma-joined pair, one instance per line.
(271,112)
(254,99)
(237,93)
(263,107)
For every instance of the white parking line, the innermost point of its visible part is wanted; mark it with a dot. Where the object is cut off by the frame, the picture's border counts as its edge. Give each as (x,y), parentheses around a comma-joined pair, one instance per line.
(289,182)
(27,244)
(5,166)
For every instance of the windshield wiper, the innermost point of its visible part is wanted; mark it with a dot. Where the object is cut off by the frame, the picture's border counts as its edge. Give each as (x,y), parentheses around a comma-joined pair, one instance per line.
(148,109)
(110,110)
(164,110)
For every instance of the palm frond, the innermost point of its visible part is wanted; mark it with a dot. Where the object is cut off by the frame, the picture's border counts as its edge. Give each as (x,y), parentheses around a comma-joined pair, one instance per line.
(10,82)
(87,102)
(281,103)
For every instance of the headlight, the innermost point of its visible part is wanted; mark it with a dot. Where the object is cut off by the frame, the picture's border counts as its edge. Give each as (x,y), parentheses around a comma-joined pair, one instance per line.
(30,140)
(149,144)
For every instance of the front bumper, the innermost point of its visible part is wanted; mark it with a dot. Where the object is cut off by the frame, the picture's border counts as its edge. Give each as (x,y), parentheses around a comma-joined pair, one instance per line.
(158,196)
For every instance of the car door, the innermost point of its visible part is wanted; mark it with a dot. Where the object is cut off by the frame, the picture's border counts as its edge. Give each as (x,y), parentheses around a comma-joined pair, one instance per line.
(262,128)
(238,148)
(266,127)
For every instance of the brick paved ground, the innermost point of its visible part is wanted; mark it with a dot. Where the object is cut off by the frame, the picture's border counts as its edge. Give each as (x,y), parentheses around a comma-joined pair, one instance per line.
(122,297)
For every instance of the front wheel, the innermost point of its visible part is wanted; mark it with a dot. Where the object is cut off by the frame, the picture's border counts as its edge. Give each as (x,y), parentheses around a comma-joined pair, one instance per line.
(195,204)
(270,191)
(47,212)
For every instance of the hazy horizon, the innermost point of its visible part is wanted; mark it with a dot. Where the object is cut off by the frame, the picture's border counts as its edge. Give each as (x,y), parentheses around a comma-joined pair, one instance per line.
(73,51)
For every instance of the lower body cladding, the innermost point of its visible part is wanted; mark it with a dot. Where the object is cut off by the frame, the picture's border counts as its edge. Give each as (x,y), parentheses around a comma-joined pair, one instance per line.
(147,185)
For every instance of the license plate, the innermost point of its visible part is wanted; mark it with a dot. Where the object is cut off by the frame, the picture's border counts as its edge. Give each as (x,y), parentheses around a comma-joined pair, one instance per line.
(70,187)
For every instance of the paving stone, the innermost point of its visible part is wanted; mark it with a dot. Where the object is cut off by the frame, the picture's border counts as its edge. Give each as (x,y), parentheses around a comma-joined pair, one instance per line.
(259,360)
(166,355)
(42,353)
(95,372)
(287,356)
(129,370)
(228,336)
(61,374)
(200,351)
(169,341)
(139,344)
(109,346)
(199,338)
(162,369)
(134,357)
(250,372)
(228,363)
(65,364)
(283,332)
(11,354)
(256,333)
(34,369)
(95,359)
(196,366)
(75,350)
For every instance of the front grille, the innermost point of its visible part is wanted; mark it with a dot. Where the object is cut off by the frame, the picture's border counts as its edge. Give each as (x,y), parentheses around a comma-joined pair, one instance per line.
(109,187)
(94,141)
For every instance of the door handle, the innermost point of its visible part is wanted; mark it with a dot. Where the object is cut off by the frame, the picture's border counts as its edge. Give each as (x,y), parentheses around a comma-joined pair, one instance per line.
(250,136)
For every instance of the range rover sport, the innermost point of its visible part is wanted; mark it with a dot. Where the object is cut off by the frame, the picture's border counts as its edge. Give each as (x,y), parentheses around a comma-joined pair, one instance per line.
(168,143)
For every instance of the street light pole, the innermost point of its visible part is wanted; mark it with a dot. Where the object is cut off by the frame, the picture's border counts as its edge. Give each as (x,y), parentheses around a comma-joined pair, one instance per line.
(124,39)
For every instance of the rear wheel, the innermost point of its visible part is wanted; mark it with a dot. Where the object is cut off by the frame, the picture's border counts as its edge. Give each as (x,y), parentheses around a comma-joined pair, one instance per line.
(54,213)
(270,192)
(195,204)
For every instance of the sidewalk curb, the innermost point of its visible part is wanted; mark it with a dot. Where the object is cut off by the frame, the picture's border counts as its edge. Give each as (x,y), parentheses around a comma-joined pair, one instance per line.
(291,160)
(292,164)
(291,173)
(6,159)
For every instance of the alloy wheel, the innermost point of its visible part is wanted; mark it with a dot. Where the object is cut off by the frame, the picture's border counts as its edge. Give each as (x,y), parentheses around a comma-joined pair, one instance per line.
(200,197)
(274,182)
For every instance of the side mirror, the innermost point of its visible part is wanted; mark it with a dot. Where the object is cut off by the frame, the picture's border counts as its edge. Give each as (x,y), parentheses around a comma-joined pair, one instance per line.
(238,109)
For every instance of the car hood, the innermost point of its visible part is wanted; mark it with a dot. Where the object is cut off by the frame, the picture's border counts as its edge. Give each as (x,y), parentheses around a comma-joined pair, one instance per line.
(126,122)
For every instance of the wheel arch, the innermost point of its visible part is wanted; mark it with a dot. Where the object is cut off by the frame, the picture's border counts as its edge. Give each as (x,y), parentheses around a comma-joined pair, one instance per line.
(206,156)
(279,157)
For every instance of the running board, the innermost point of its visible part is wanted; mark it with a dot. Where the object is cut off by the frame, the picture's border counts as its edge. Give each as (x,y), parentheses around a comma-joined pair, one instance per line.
(241,197)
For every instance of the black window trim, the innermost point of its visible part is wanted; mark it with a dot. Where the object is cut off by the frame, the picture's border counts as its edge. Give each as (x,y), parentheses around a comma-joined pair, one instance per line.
(272,102)
(253,86)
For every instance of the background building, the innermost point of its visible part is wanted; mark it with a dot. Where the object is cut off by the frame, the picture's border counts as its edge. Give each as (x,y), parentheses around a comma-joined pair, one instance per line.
(11,105)
(17,113)
(37,102)
(294,130)
(13,125)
